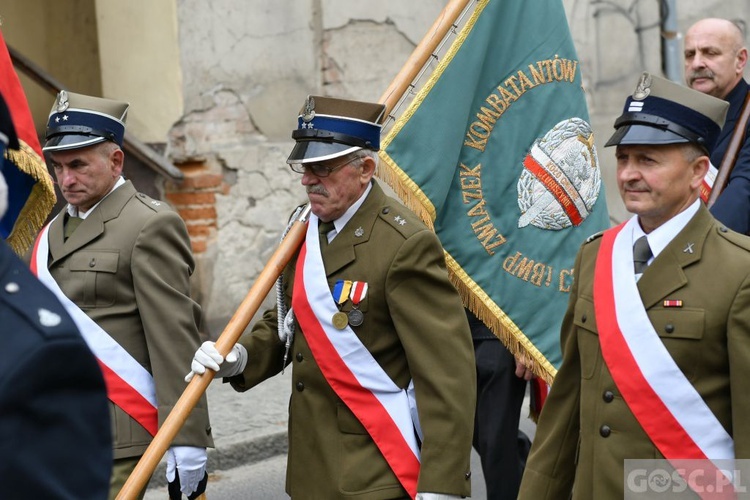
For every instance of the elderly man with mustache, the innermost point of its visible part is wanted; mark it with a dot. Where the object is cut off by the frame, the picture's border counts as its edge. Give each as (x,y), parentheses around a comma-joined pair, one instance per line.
(715,57)
(375,334)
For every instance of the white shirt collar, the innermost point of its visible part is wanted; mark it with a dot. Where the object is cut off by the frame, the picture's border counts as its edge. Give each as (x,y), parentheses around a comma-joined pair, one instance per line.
(339,223)
(74,212)
(660,237)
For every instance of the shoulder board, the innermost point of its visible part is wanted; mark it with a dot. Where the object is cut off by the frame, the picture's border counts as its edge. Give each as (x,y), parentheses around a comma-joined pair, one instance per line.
(737,238)
(402,219)
(155,205)
(594,236)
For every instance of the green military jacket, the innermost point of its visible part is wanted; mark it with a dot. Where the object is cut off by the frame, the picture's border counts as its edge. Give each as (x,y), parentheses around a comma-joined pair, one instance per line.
(414,326)
(586,430)
(128,267)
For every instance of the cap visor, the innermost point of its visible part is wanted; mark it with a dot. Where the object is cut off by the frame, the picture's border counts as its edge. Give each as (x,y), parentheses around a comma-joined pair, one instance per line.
(643,134)
(71,141)
(314,151)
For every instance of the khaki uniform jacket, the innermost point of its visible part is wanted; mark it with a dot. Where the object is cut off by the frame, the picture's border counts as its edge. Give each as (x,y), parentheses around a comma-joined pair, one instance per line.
(414,326)
(127,266)
(586,430)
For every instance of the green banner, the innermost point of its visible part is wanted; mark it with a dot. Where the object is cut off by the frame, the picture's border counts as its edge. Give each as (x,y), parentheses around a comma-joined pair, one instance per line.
(496,153)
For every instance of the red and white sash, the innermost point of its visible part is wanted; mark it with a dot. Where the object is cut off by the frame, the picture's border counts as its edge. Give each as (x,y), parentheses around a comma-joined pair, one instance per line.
(129,385)
(708,182)
(664,402)
(356,377)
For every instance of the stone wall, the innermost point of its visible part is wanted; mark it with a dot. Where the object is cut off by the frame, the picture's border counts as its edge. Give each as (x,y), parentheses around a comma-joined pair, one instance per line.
(219,85)
(248,66)
(246,74)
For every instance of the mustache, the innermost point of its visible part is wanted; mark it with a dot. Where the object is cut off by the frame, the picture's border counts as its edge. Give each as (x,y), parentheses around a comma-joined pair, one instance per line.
(317,189)
(635,186)
(706,73)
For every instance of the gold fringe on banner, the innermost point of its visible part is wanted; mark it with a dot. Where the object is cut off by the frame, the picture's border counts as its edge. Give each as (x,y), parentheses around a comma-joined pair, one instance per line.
(479,303)
(40,202)
(407,190)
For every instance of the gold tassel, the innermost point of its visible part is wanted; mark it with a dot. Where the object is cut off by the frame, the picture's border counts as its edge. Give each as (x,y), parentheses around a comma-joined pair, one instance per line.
(40,202)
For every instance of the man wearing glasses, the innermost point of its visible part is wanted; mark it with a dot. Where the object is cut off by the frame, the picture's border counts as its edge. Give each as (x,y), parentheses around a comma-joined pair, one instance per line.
(383,367)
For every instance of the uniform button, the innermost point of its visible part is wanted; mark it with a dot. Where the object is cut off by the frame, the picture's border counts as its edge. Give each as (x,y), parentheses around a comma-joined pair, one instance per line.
(208,430)
(608,396)
(300,386)
(584,318)
(467,475)
(92,263)
(12,287)
(723,229)
(299,356)
(605,431)
(386,210)
(669,328)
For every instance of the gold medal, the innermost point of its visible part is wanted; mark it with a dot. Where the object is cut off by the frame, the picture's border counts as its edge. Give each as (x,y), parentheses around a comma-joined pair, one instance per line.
(340,320)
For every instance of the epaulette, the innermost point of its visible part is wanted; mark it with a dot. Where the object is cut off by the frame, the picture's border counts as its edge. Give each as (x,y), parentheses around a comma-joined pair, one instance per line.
(403,220)
(594,236)
(155,205)
(737,238)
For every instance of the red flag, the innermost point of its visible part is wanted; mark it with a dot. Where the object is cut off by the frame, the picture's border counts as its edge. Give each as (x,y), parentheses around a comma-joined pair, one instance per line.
(31,193)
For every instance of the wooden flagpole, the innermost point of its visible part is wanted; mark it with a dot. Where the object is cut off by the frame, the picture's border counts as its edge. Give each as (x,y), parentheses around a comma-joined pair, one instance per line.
(730,156)
(422,53)
(273,269)
(198,385)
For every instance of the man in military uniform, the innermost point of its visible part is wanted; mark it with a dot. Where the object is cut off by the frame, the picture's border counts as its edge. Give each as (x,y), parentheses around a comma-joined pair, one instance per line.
(383,368)
(124,261)
(54,426)
(656,351)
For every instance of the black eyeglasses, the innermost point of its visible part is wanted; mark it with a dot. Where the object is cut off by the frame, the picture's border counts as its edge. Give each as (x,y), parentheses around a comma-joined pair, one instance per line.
(319,170)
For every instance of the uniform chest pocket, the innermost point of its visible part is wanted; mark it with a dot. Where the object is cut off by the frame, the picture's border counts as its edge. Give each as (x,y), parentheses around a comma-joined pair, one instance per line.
(681,330)
(94,275)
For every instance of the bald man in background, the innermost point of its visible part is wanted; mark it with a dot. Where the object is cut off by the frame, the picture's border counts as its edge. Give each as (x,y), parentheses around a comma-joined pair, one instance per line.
(715,58)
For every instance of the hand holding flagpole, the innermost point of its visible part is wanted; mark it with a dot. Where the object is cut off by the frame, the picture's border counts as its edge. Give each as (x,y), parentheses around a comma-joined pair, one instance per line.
(273,269)
(232,332)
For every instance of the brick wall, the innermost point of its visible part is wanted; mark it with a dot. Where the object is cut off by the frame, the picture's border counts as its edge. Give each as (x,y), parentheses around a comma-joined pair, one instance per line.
(195,200)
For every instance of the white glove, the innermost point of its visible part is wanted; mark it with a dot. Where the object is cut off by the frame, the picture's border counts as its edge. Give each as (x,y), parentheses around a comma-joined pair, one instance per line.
(190,463)
(436,496)
(208,357)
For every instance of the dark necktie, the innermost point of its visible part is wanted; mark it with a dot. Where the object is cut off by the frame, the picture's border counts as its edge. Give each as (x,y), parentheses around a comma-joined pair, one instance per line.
(324,228)
(70,225)
(641,254)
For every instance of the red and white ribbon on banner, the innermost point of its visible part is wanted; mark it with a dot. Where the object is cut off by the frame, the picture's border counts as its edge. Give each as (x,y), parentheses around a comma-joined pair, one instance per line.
(356,377)
(129,385)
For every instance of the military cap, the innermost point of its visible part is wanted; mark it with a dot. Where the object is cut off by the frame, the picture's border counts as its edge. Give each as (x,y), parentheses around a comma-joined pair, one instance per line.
(78,121)
(328,128)
(663,112)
